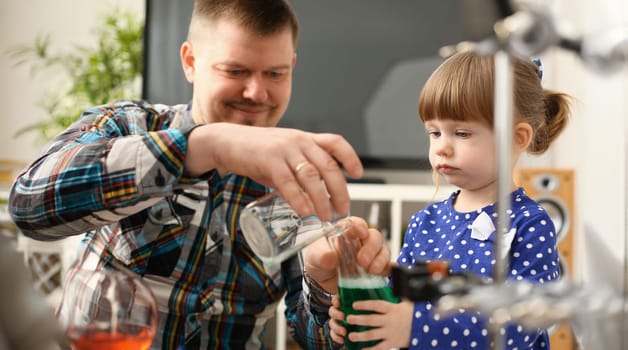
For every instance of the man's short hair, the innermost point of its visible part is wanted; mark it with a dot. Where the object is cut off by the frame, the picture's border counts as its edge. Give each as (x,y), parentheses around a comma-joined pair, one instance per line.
(263,17)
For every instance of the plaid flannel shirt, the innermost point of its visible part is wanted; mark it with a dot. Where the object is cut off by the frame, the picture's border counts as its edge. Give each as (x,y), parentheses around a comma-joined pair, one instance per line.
(117,175)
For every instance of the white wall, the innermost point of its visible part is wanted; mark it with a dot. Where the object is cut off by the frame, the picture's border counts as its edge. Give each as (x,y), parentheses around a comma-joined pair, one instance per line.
(595,146)
(595,143)
(68,22)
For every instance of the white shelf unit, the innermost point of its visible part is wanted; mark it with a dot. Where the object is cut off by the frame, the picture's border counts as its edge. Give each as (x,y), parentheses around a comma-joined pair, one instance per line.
(401,201)
(396,204)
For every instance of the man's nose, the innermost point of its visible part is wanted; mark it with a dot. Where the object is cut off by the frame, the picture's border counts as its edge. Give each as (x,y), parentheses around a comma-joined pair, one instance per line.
(255,89)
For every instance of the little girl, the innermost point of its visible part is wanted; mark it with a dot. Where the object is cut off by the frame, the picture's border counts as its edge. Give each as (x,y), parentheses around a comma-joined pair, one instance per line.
(456,107)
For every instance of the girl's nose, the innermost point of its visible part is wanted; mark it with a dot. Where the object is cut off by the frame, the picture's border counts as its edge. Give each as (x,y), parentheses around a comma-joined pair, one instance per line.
(442,147)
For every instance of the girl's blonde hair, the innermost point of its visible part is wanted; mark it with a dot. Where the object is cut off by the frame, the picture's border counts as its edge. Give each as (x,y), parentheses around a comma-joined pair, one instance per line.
(462,88)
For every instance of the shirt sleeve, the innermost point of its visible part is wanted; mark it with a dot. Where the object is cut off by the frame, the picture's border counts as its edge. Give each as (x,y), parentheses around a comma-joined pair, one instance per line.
(116,160)
(307,307)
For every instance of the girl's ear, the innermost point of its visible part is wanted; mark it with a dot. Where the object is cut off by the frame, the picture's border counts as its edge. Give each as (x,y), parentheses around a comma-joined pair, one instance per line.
(522,136)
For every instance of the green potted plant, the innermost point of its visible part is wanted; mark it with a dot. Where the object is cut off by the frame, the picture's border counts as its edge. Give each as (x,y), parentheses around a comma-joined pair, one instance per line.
(98,74)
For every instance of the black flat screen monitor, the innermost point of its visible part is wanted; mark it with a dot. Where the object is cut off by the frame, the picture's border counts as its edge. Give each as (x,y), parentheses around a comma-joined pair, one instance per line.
(360,67)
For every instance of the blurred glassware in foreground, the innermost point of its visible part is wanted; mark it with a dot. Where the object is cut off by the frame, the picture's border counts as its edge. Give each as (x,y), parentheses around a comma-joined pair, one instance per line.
(107,309)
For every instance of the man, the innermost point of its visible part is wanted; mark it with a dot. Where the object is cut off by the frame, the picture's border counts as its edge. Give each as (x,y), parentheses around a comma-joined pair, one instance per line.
(158,184)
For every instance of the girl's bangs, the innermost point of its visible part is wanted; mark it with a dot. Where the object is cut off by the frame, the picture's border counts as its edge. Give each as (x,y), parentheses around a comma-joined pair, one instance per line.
(460,91)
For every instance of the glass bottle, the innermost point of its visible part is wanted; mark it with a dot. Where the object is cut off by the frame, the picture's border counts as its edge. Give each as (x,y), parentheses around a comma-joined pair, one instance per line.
(354,284)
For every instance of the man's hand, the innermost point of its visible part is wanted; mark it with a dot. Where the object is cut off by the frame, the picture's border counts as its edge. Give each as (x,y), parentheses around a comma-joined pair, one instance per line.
(305,168)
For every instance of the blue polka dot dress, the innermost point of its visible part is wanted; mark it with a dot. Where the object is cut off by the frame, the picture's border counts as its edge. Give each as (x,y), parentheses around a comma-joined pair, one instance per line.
(466,241)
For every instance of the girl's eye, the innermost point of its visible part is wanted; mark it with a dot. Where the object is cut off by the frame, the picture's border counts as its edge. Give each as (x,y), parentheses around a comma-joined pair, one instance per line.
(434,133)
(463,134)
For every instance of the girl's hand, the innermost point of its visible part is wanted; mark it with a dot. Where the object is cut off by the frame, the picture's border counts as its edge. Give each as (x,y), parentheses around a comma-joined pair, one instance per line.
(337,331)
(321,261)
(391,322)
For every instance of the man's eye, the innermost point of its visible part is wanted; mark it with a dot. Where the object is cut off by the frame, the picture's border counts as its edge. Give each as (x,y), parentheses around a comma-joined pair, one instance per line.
(275,75)
(235,72)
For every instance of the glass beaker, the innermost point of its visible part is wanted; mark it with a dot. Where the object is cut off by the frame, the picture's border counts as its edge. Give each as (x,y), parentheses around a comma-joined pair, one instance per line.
(275,232)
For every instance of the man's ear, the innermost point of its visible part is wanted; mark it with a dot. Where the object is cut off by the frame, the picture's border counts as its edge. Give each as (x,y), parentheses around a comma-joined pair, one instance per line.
(522,136)
(187,61)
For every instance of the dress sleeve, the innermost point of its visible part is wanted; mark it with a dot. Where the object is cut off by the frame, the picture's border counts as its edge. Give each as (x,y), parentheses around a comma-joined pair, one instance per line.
(114,161)
(534,252)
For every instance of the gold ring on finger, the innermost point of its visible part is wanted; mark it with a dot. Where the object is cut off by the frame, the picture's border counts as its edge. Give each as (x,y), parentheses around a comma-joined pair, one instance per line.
(300,166)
